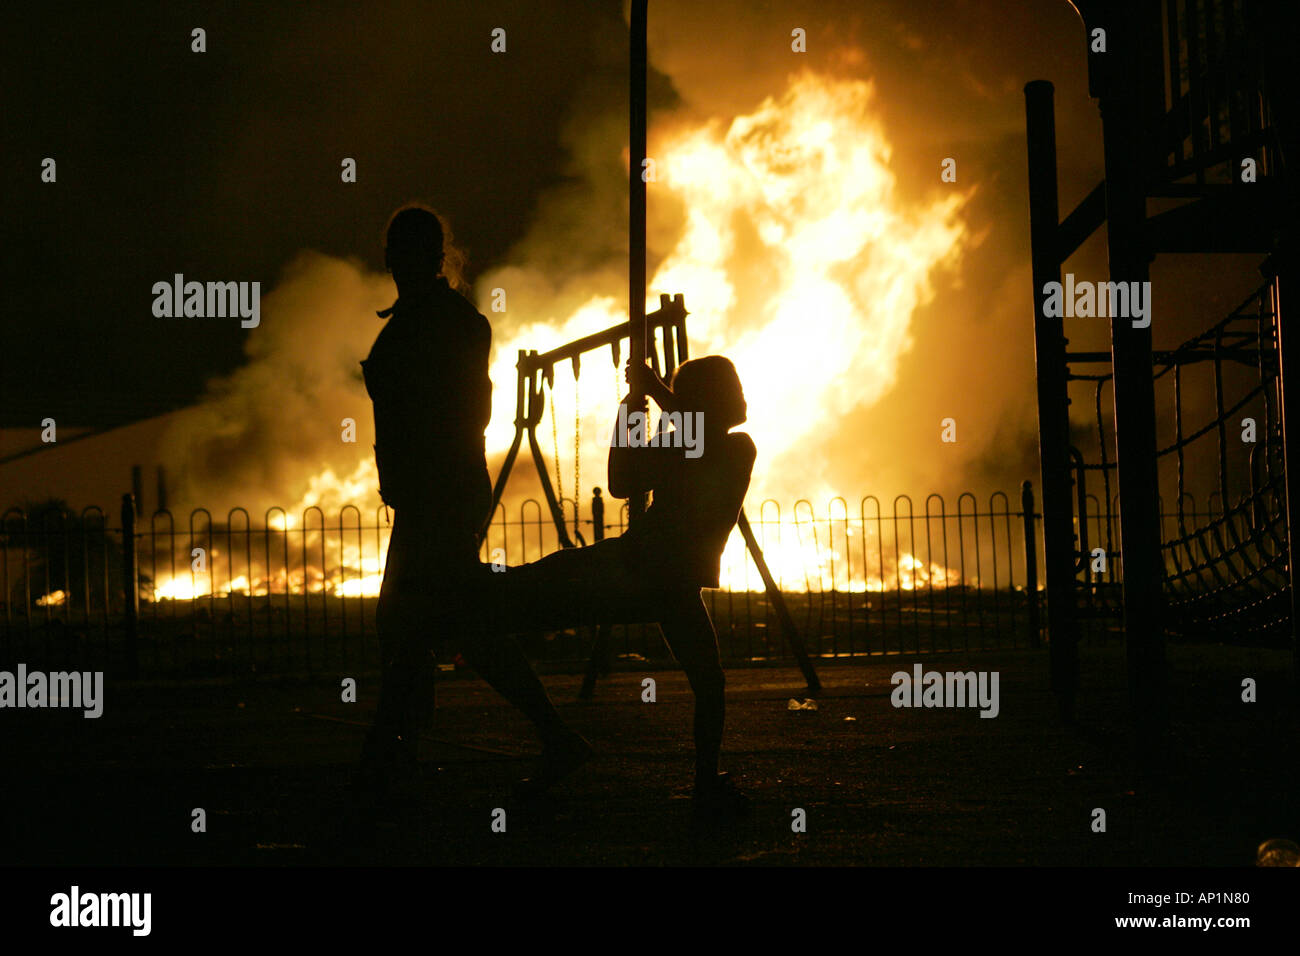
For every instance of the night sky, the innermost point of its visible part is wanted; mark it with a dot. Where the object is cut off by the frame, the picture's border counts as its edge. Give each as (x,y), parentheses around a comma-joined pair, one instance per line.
(205,546)
(225,166)
(222,165)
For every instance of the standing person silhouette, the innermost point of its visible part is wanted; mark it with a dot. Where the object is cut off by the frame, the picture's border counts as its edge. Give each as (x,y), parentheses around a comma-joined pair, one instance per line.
(427,375)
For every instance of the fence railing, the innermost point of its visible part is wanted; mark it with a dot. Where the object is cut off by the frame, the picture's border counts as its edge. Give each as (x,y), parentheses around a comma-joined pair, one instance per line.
(293,593)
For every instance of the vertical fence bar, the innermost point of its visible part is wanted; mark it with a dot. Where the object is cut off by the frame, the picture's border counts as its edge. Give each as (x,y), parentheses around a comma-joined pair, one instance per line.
(131,591)
(85,570)
(306,592)
(1031,560)
(993,554)
(848,567)
(1011,570)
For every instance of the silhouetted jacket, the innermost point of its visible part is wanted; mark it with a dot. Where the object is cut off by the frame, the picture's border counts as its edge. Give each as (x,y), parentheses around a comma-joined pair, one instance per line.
(427,375)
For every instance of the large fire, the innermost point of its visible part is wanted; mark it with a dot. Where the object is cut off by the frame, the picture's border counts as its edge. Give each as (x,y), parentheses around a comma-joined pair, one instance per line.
(798,259)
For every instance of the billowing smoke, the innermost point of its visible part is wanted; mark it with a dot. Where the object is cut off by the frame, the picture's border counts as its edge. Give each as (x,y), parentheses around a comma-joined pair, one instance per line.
(814,242)
(272,432)
(799,259)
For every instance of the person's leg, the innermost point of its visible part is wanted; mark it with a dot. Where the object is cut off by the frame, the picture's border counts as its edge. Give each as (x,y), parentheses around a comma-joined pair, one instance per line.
(420,596)
(572,586)
(442,603)
(405,666)
(689,634)
(389,751)
(502,663)
(504,666)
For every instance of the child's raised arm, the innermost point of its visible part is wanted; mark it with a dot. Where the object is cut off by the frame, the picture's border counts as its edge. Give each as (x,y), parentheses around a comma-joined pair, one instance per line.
(642,378)
(633,466)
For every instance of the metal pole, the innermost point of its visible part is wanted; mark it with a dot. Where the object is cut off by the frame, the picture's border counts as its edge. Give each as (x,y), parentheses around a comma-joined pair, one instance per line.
(1288,350)
(1031,562)
(636,275)
(1125,113)
(597,516)
(1053,399)
(777,597)
(131,589)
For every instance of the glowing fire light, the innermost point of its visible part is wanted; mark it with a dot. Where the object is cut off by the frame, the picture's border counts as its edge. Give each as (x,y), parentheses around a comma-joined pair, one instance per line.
(363,579)
(360,587)
(796,253)
(180,589)
(798,259)
(808,567)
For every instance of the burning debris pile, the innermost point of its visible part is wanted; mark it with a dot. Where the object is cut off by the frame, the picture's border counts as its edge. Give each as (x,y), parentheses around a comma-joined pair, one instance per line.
(798,258)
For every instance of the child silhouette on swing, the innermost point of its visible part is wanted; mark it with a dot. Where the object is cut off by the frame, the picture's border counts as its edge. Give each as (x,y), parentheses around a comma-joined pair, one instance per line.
(655,570)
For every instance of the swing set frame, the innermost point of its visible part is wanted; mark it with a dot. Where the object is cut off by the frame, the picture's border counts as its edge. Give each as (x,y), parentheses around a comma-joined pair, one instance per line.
(536,372)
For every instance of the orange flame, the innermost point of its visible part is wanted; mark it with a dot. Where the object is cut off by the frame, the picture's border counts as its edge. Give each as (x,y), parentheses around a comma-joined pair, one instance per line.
(799,260)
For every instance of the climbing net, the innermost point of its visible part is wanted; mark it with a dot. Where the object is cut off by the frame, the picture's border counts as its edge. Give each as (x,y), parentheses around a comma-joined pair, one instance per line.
(1222,482)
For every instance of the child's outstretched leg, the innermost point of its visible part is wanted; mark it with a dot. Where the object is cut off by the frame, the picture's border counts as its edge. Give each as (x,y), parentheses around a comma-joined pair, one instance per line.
(547,592)
(569,587)
(694,643)
(502,663)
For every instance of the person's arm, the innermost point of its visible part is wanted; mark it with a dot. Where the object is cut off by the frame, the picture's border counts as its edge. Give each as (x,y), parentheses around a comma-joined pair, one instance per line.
(626,469)
(744,453)
(482,365)
(637,469)
(646,380)
(448,382)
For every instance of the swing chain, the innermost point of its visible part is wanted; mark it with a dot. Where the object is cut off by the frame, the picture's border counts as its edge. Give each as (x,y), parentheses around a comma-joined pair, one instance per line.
(577,446)
(555,451)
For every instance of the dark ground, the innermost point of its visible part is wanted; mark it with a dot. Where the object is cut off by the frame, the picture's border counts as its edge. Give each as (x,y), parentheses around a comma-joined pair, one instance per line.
(271,765)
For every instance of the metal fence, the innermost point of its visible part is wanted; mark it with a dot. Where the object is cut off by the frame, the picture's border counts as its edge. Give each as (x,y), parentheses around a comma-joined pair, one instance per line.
(297,593)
